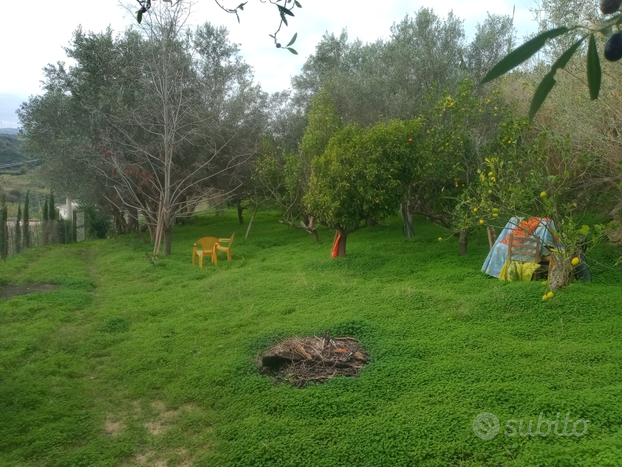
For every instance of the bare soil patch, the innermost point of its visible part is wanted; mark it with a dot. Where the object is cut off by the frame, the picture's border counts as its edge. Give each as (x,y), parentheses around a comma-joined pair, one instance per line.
(113,428)
(303,360)
(8,291)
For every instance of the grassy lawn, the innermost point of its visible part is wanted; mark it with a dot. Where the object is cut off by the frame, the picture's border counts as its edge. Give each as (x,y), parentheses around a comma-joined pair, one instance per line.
(134,363)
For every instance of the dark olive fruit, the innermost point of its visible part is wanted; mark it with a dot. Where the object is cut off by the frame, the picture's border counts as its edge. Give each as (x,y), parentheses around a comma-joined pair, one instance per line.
(278,46)
(613,47)
(609,6)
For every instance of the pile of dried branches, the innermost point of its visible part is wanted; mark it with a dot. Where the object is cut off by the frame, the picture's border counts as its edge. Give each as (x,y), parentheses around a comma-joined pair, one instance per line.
(313,359)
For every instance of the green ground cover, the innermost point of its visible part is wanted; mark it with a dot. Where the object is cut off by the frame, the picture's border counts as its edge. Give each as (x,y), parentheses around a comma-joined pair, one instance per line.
(135,363)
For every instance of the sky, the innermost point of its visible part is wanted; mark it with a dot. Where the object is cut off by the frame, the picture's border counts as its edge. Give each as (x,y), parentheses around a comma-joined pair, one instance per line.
(32,37)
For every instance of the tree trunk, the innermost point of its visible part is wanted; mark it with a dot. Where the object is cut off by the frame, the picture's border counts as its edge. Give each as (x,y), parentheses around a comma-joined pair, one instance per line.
(492,236)
(132,220)
(561,272)
(309,225)
(251,221)
(463,242)
(240,212)
(168,239)
(369,222)
(152,233)
(342,244)
(409,227)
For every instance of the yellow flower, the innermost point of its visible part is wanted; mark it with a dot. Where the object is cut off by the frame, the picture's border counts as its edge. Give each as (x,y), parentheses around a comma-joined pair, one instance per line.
(509,141)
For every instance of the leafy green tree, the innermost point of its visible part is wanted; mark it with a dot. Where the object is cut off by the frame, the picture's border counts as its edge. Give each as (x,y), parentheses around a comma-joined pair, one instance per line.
(17,246)
(164,119)
(46,211)
(323,125)
(362,176)
(4,232)
(456,130)
(571,39)
(494,38)
(397,78)
(26,231)
(52,207)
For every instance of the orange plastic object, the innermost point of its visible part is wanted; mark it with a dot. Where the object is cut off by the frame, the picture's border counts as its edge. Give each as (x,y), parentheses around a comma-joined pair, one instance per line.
(208,247)
(227,248)
(335,252)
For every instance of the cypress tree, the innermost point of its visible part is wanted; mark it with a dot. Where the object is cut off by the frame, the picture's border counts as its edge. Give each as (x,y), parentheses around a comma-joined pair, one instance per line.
(52,214)
(53,226)
(45,209)
(46,226)
(26,228)
(18,231)
(4,237)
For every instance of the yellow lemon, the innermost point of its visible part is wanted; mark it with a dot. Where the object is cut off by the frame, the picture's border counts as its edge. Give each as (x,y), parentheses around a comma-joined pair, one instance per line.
(490,174)
(489,191)
(545,297)
(494,214)
(481,221)
(495,209)
(440,239)
(550,294)
(543,194)
(575,261)
(474,209)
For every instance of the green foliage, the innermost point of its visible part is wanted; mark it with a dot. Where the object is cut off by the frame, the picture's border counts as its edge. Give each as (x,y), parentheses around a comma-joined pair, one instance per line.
(523,53)
(424,55)
(456,130)
(323,124)
(26,232)
(4,232)
(529,48)
(46,210)
(52,214)
(18,230)
(97,221)
(125,349)
(531,177)
(363,174)
(10,150)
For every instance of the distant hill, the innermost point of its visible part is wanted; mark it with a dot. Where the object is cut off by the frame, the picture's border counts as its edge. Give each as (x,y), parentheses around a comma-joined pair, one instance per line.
(9,131)
(10,149)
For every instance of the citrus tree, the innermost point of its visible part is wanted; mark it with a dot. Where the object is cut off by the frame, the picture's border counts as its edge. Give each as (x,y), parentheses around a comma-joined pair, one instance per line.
(362,176)
(455,131)
(532,175)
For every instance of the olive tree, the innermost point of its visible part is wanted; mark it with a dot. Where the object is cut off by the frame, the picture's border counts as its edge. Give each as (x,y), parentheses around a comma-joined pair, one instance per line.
(168,116)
